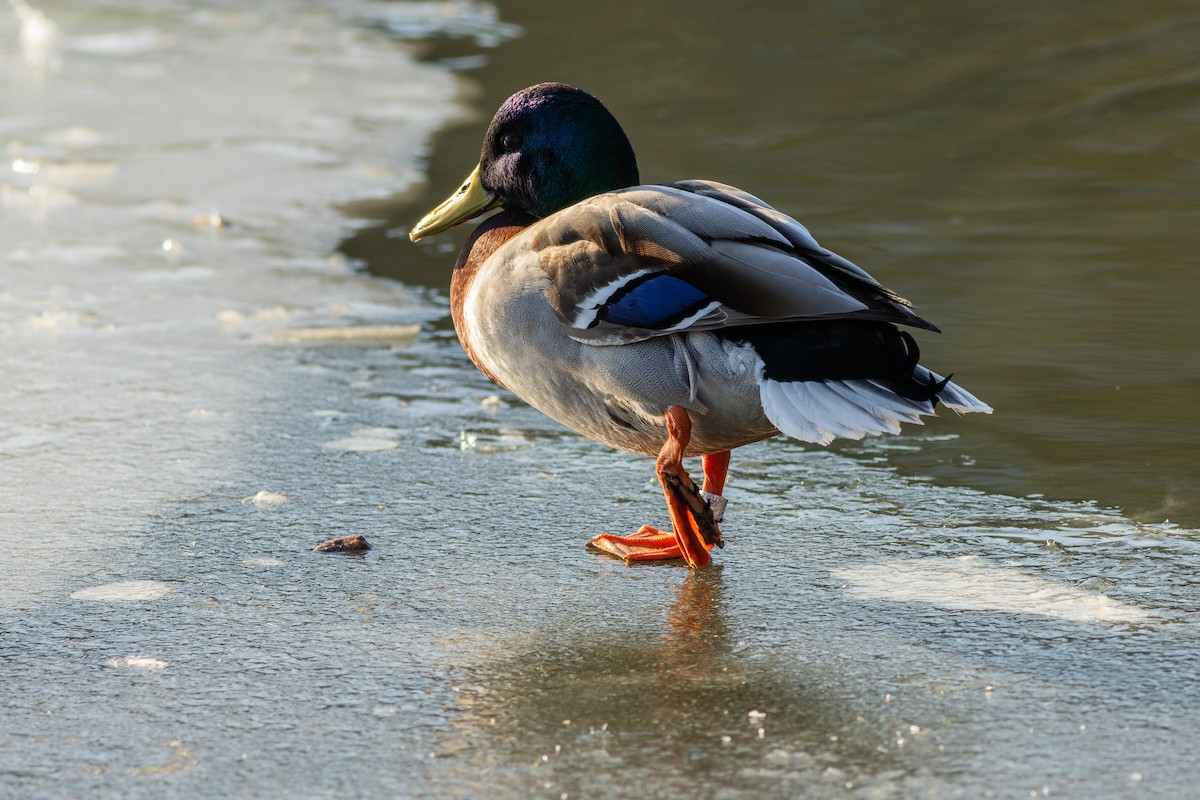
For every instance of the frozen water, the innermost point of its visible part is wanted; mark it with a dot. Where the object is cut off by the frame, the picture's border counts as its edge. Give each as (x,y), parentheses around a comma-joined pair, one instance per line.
(266,499)
(367,439)
(138,662)
(123,591)
(967,582)
(170,198)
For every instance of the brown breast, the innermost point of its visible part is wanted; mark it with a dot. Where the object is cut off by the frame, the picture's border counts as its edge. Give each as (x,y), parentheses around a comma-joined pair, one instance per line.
(486,239)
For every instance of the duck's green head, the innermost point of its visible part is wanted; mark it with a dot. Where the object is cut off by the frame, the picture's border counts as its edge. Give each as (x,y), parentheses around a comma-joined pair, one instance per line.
(548,147)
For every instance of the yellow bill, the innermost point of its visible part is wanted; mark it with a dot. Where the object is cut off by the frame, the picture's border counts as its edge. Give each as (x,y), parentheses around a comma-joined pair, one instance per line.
(470,200)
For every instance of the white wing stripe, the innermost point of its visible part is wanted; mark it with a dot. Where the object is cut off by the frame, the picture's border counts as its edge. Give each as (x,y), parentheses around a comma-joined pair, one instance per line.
(591,302)
(694,318)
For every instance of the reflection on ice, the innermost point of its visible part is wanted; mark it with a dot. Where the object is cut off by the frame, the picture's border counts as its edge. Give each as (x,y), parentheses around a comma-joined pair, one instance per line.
(120,44)
(492,403)
(968,583)
(39,35)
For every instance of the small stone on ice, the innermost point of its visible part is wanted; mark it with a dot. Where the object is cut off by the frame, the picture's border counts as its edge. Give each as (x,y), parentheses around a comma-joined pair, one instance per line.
(344,544)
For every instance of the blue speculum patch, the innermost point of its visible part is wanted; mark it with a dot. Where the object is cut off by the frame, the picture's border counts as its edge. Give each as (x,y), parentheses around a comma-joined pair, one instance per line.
(657,302)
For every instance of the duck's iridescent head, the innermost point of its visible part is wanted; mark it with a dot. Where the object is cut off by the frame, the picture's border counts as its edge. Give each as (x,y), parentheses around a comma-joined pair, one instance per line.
(548,147)
(552,145)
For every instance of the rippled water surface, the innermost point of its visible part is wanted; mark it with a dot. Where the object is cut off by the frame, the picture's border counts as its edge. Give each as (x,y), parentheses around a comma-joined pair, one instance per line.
(220,350)
(1025,174)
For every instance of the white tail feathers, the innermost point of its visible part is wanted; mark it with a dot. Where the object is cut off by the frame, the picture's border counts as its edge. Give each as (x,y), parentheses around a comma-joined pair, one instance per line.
(821,411)
(953,396)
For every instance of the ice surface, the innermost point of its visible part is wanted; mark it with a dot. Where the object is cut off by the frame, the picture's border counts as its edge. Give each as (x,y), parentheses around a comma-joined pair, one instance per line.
(367,439)
(138,662)
(265,498)
(123,591)
(126,311)
(968,582)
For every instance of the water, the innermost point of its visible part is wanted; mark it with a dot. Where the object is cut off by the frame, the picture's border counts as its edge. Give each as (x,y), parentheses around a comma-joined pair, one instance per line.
(200,385)
(1025,175)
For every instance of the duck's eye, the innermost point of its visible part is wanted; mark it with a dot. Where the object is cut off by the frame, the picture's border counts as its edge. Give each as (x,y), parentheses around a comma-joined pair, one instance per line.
(510,141)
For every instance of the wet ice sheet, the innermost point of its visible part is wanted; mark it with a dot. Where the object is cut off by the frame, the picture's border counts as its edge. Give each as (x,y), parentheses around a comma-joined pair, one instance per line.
(123,591)
(971,584)
(532,632)
(843,646)
(169,188)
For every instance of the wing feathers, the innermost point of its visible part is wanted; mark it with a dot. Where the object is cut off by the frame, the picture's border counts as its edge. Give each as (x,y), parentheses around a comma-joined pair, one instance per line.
(795,233)
(772,284)
(755,263)
(707,216)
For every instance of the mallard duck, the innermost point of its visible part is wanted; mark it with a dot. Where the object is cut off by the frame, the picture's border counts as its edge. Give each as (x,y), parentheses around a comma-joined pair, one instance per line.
(673,320)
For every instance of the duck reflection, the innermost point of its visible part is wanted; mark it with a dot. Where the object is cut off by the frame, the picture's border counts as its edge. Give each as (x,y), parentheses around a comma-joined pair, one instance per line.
(684,703)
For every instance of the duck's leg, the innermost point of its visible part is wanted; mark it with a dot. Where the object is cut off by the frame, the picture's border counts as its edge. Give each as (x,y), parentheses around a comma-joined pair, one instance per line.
(716,465)
(693,529)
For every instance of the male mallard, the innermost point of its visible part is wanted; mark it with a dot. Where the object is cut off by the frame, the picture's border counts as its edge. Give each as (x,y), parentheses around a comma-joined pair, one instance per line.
(677,320)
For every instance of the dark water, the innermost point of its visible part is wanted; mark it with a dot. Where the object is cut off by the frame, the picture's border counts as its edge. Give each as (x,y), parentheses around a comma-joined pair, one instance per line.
(1026,173)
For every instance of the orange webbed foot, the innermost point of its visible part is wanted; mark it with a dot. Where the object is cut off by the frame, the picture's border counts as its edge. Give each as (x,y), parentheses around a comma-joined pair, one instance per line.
(697,512)
(694,531)
(648,544)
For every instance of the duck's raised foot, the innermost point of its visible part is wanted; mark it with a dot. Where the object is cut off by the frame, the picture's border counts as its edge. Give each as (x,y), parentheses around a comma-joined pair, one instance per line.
(699,510)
